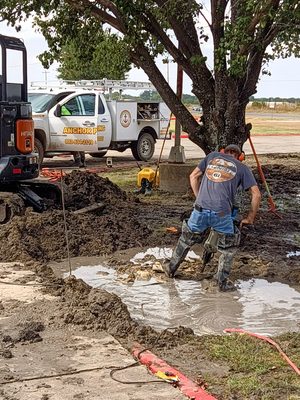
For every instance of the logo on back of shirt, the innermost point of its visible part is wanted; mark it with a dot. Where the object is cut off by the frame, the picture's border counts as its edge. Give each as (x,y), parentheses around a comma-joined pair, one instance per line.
(220,170)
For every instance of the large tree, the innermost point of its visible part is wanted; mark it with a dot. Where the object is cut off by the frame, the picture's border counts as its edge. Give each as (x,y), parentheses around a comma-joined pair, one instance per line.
(245,34)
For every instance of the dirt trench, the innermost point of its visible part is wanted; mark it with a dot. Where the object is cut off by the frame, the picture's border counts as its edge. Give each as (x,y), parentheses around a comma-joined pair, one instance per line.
(42,236)
(127,221)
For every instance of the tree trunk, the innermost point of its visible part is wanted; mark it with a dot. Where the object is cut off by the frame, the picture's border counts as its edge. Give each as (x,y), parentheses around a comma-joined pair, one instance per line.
(224,122)
(223,119)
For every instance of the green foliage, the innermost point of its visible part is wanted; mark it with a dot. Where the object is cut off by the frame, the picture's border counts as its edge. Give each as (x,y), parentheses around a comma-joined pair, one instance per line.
(246,354)
(255,25)
(107,58)
(150,95)
(245,35)
(76,40)
(250,26)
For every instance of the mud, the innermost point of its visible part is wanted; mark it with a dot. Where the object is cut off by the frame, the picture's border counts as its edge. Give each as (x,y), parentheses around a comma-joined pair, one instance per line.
(257,305)
(130,222)
(42,236)
(81,308)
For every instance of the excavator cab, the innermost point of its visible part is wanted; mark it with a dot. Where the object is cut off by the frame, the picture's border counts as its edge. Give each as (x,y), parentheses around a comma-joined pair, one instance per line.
(18,162)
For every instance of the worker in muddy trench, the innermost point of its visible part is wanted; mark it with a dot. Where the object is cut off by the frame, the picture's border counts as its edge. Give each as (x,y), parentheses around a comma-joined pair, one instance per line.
(215,182)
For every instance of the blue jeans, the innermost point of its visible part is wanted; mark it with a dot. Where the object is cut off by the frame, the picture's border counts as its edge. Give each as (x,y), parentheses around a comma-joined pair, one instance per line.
(199,221)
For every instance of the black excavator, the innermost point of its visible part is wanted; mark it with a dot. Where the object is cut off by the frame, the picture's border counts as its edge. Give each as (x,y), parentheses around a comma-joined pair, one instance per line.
(18,162)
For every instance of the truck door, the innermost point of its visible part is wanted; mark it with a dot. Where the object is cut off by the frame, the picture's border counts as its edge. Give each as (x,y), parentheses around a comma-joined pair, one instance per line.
(76,128)
(104,125)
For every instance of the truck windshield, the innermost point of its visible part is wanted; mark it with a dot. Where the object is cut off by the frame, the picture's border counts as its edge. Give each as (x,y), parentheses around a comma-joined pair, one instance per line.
(40,101)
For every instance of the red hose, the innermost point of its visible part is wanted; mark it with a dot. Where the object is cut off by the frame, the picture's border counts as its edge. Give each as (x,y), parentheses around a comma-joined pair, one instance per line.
(266,339)
(189,388)
(262,176)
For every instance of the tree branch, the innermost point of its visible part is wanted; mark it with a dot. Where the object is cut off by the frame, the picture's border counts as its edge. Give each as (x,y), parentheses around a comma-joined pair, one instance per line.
(97,12)
(272,4)
(113,8)
(187,37)
(218,8)
(143,59)
(205,19)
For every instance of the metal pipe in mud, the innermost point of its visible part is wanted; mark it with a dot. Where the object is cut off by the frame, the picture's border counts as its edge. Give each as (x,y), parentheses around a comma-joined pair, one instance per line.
(65,221)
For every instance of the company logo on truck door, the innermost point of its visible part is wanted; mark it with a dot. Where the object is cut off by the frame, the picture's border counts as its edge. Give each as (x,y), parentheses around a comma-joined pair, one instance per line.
(83,131)
(79,131)
(125,118)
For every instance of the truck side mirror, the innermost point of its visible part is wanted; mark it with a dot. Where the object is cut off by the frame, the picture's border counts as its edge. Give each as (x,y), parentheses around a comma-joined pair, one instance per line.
(57,111)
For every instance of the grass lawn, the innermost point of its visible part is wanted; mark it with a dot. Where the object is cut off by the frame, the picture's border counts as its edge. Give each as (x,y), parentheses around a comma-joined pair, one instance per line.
(274,124)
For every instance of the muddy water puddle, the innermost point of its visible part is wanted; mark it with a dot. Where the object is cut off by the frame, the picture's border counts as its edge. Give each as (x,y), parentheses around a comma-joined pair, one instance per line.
(257,305)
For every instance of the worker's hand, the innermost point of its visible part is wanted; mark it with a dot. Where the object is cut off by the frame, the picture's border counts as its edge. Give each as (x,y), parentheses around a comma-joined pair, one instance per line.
(246,221)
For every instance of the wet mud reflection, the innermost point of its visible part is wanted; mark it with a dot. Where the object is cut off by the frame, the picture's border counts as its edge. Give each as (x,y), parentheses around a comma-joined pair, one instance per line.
(257,305)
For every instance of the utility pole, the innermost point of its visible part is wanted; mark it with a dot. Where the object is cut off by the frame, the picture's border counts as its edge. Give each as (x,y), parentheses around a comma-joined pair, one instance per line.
(177,151)
(46,78)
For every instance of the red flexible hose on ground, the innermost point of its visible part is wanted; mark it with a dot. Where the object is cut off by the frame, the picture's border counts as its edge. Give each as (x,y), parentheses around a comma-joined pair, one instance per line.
(266,339)
(155,364)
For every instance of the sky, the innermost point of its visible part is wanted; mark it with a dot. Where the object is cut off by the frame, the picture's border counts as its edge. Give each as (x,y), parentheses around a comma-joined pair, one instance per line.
(284,81)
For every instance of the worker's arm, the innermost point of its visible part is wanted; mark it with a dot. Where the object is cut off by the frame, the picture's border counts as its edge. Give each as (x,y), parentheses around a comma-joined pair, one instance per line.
(255,202)
(195,180)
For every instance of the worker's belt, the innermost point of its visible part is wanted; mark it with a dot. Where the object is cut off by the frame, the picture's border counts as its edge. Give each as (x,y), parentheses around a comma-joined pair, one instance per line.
(219,214)
(198,208)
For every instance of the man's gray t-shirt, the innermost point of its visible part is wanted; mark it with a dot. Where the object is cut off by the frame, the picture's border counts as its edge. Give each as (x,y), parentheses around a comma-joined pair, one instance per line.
(222,175)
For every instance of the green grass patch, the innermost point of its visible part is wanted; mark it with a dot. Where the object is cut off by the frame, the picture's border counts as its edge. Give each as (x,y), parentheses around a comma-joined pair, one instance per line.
(245,354)
(256,370)
(126,179)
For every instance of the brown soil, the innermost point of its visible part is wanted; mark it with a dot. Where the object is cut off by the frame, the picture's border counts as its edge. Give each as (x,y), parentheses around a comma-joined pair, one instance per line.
(42,236)
(126,222)
(129,221)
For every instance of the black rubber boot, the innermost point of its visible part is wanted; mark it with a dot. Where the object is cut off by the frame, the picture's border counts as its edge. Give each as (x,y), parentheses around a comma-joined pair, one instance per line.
(227,286)
(185,242)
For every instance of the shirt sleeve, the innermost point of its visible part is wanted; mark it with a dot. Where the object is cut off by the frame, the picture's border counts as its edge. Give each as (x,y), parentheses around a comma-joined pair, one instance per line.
(248,179)
(203,163)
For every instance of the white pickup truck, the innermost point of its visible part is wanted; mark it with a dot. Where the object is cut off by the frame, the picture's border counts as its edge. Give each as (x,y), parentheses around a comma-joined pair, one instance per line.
(79,118)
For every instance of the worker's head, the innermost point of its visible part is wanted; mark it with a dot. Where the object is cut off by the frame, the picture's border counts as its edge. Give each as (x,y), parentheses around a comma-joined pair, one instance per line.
(234,150)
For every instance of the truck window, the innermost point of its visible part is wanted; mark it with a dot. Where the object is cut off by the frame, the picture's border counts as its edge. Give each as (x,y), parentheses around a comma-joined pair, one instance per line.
(83,104)
(40,101)
(101,109)
(88,101)
(73,106)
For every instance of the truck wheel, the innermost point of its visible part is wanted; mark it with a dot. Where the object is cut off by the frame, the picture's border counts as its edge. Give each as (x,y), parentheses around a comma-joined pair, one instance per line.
(143,148)
(100,154)
(39,149)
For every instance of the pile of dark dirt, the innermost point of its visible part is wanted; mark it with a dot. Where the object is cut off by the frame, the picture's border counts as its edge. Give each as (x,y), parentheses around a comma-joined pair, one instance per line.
(42,236)
(84,189)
